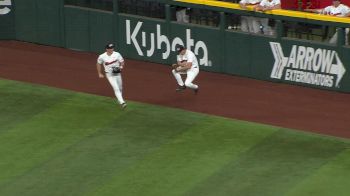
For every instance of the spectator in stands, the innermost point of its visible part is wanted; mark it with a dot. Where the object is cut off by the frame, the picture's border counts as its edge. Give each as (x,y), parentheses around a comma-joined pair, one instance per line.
(263,6)
(336,9)
(181,14)
(250,23)
(266,5)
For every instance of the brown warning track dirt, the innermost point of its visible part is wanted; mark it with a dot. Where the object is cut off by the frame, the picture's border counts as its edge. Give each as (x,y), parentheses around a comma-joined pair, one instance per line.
(283,105)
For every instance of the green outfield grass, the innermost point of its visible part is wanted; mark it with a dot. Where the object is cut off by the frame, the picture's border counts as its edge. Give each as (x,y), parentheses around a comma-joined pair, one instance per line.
(56,142)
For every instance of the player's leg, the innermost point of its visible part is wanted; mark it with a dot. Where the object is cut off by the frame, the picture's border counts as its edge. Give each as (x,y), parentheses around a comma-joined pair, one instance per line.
(120,86)
(334,38)
(113,81)
(179,80)
(266,29)
(250,23)
(257,26)
(120,82)
(244,24)
(191,75)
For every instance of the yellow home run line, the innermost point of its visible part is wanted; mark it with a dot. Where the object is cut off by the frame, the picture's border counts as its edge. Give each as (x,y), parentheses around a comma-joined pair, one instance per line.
(280,12)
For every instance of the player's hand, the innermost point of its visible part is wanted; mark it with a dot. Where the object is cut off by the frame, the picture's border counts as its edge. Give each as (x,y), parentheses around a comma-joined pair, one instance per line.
(101,75)
(264,9)
(179,68)
(257,8)
(243,6)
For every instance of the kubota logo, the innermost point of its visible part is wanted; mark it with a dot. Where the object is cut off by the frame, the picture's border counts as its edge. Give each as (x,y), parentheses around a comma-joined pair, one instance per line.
(306,65)
(6,9)
(159,40)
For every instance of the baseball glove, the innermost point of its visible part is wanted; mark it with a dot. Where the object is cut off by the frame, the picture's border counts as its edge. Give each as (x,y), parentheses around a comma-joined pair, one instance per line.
(116,70)
(175,65)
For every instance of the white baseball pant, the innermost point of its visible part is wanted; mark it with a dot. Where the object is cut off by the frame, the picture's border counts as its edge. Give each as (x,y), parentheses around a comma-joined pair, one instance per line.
(334,38)
(191,75)
(116,82)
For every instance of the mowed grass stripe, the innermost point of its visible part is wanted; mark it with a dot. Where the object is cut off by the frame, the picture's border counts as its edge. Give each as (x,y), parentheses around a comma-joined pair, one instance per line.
(77,144)
(19,103)
(273,166)
(188,159)
(90,163)
(84,145)
(31,143)
(331,179)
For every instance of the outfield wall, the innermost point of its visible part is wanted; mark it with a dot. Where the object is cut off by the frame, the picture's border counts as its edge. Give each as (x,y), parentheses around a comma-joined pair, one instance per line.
(272,58)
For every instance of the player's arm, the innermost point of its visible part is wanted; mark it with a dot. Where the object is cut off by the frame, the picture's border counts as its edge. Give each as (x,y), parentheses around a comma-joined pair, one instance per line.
(187,65)
(184,66)
(122,64)
(99,70)
(278,6)
(243,4)
(347,12)
(121,61)
(318,11)
(258,7)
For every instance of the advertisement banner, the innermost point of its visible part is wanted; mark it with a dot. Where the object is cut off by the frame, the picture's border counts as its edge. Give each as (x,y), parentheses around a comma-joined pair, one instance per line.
(151,40)
(307,65)
(7,19)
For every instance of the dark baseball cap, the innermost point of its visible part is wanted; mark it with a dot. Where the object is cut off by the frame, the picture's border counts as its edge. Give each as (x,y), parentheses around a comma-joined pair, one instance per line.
(110,46)
(180,48)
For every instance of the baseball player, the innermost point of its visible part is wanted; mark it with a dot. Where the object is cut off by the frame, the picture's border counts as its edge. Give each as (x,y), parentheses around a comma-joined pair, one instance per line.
(336,9)
(113,63)
(249,23)
(186,64)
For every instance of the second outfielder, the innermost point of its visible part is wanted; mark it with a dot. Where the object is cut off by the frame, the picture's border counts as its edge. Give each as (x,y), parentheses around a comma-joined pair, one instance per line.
(113,63)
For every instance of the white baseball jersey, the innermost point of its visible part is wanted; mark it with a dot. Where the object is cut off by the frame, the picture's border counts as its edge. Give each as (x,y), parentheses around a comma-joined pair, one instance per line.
(267,3)
(251,2)
(108,62)
(341,10)
(189,56)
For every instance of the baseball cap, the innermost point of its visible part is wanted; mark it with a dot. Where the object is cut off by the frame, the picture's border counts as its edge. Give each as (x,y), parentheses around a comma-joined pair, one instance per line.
(180,48)
(110,46)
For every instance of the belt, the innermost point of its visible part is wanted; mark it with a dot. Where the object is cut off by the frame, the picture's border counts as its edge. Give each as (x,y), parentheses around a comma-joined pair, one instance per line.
(195,67)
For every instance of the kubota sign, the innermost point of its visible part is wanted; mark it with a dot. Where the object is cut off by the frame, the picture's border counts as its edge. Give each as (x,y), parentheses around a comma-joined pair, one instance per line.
(307,65)
(157,41)
(5,7)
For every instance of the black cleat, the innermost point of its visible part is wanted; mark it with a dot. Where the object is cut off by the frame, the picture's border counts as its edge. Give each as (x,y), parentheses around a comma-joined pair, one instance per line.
(196,90)
(123,106)
(181,88)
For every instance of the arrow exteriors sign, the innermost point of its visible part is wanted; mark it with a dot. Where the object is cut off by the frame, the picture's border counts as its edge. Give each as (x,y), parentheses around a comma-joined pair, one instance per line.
(307,65)
(4,7)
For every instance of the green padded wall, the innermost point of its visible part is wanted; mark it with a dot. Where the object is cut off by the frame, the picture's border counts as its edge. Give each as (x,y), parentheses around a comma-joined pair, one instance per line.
(49,22)
(39,21)
(77,31)
(262,57)
(237,46)
(26,20)
(101,30)
(88,30)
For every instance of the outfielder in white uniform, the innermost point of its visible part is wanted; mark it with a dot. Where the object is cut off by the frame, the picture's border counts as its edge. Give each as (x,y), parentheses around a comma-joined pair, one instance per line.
(113,63)
(336,9)
(188,65)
